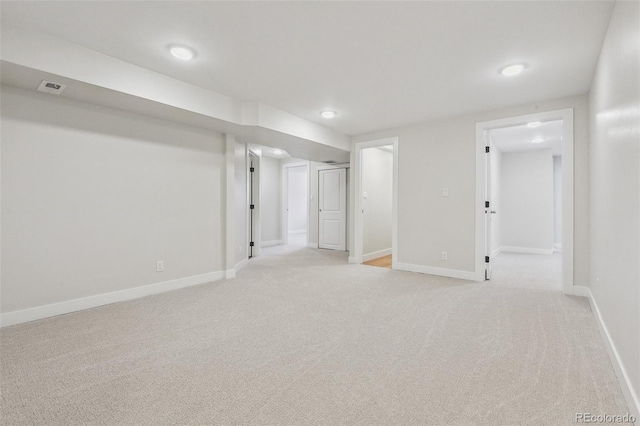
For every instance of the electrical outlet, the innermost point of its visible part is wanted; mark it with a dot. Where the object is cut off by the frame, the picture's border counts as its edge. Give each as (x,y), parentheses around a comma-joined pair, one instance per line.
(160,266)
(445,192)
(444,255)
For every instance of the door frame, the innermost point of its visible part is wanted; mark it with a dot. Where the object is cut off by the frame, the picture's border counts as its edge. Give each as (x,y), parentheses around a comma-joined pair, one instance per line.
(356,254)
(253,224)
(285,198)
(566,115)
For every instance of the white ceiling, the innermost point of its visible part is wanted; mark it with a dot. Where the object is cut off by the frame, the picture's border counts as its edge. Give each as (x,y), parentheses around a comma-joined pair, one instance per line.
(518,138)
(378,64)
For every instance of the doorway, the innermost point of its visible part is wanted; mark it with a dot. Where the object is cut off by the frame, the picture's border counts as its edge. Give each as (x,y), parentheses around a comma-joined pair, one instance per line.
(376,200)
(524,191)
(295,197)
(523,210)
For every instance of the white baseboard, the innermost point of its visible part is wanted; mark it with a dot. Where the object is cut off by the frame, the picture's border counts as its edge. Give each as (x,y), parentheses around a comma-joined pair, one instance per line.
(54,309)
(230,273)
(270,243)
(579,290)
(376,254)
(312,245)
(496,252)
(630,395)
(241,264)
(352,259)
(527,250)
(432,270)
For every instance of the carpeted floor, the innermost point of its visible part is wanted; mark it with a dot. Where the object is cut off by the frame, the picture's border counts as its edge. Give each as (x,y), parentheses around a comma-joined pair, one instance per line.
(301,337)
(534,271)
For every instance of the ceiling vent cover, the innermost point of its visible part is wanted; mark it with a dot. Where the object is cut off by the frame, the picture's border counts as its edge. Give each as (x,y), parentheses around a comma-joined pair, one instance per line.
(50,87)
(330,162)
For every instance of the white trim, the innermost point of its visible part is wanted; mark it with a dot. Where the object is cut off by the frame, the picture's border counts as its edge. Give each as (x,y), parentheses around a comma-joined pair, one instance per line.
(312,245)
(230,273)
(255,152)
(630,395)
(527,250)
(579,290)
(431,270)
(271,243)
(54,309)
(376,254)
(566,115)
(334,166)
(352,259)
(241,264)
(496,252)
(357,218)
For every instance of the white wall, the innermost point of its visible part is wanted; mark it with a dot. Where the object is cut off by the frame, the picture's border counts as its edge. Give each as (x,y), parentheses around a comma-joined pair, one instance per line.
(297,190)
(526,186)
(440,154)
(270,208)
(377,183)
(615,189)
(93,197)
(557,201)
(495,176)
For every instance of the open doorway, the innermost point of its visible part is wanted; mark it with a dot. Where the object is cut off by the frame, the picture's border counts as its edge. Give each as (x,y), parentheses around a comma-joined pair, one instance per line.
(377,193)
(375,219)
(524,183)
(295,218)
(524,231)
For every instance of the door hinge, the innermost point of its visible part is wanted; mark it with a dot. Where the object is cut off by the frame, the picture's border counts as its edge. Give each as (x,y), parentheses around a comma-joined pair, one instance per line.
(486,259)
(486,204)
(251,244)
(252,169)
(251,206)
(486,149)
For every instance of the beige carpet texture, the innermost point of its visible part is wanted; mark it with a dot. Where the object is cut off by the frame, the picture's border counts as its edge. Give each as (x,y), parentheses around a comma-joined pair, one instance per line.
(300,337)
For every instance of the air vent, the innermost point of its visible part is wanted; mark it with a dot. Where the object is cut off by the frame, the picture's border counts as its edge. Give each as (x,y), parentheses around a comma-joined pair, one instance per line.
(51,87)
(330,162)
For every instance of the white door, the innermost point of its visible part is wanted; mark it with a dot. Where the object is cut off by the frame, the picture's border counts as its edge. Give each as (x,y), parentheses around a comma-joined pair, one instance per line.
(487,208)
(332,205)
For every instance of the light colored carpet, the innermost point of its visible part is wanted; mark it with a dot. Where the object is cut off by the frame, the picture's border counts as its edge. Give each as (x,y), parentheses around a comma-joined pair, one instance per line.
(534,271)
(300,337)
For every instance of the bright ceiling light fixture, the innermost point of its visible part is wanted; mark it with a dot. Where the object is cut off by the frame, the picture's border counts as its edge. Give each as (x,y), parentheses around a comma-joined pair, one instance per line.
(537,140)
(534,124)
(278,151)
(182,52)
(328,114)
(512,70)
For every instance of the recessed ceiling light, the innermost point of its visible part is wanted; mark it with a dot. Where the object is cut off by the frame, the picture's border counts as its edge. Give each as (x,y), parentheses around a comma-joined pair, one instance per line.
(328,114)
(537,140)
(182,52)
(278,151)
(534,124)
(512,70)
